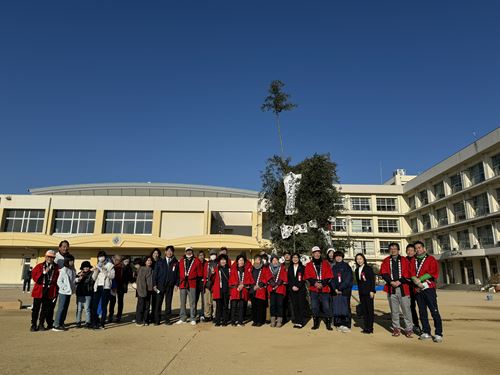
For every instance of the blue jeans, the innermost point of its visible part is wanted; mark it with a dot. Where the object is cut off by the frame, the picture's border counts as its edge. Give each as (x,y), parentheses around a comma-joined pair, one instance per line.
(62,309)
(320,305)
(101,296)
(83,302)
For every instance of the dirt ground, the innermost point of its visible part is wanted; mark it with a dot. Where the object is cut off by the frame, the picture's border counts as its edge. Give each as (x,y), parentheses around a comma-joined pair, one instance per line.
(471,345)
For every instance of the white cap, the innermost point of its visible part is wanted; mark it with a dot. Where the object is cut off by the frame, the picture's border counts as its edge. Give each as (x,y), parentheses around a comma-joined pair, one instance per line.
(315,248)
(188,248)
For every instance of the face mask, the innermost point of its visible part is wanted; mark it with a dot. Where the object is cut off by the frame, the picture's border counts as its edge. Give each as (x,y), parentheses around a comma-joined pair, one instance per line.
(101,259)
(264,261)
(189,256)
(213,257)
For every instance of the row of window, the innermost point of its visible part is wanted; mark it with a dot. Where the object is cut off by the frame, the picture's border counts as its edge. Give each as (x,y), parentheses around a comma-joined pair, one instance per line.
(475,175)
(479,207)
(482,236)
(364,204)
(365,225)
(368,247)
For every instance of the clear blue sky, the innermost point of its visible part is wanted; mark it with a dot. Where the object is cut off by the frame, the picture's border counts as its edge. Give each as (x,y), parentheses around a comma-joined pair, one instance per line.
(164,91)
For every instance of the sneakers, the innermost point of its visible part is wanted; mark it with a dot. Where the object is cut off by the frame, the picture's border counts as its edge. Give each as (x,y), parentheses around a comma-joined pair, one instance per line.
(344,329)
(58,329)
(180,321)
(437,338)
(193,322)
(299,326)
(367,331)
(396,332)
(425,336)
(202,318)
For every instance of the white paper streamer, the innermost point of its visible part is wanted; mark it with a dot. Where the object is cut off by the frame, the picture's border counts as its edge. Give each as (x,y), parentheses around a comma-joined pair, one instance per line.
(291,182)
(313,224)
(300,228)
(286,231)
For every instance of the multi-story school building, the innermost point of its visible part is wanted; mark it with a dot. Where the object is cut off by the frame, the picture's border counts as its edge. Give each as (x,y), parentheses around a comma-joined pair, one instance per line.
(453,207)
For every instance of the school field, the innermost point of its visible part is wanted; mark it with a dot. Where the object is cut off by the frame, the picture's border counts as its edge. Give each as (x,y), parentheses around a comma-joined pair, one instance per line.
(471,345)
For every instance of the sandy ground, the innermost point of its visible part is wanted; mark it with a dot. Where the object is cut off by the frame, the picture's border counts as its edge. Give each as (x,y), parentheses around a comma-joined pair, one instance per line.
(471,345)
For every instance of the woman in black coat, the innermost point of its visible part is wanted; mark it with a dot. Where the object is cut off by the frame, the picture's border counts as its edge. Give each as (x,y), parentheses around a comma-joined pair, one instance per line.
(365,277)
(297,291)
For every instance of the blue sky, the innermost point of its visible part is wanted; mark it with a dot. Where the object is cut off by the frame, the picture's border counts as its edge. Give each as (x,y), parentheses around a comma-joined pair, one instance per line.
(163,91)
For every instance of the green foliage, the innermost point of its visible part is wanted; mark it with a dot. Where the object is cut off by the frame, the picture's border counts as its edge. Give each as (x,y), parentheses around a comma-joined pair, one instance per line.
(315,200)
(277,101)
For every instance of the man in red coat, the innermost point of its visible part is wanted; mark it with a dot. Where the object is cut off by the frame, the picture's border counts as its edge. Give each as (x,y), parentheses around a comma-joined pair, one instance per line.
(44,292)
(319,275)
(395,270)
(189,273)
(240,280)
(425,272)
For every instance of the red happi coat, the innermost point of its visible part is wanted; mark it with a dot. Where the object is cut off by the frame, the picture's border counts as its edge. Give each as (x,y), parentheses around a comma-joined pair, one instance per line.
(283,277)
(265,275)
(36,273)
(311,276)
(234,281)
(429,266)
(216,284)
(206,276)
(385,269)
(194,272)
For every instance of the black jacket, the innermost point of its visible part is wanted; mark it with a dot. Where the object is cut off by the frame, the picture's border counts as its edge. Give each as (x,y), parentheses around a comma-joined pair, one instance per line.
(367,283)
(164,275)
(293,280)
(86,286)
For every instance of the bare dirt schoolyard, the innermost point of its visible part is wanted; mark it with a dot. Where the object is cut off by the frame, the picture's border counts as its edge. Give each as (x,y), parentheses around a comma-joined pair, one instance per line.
(471,345)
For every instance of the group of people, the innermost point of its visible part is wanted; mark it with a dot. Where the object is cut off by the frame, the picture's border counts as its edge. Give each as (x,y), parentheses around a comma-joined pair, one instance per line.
(276,288)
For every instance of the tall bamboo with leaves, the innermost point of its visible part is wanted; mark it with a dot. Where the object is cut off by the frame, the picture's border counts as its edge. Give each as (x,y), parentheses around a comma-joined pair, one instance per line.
(277,101)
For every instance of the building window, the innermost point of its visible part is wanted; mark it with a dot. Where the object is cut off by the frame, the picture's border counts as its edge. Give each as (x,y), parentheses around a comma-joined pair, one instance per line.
(361,225)
(439,190)
(74,221)
(229,222)
(134,222)
(480,205)
(463,239)
(476,173)
(442,216)
(456,183)
(428,245)
(365,247)
(388,225)
(444,242)
(360,204)
(386,204)
(30,221)
(414,225)
(339,225)
(424,198)
(485,235)
(495,164)
(459,211)
(411,202)
(426,221)
(341,205)
(384,246)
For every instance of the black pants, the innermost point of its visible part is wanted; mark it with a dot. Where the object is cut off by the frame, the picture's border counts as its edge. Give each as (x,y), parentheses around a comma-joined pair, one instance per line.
(26,285)
(286,306)
(413,307)
(427,299)
(238,308)
(142,308)
(43,311)
(344,320)
(368,311)
(259,310)
(298,300)
(167,294)
(276,304)
(112,304)
(100,296)
(222,309)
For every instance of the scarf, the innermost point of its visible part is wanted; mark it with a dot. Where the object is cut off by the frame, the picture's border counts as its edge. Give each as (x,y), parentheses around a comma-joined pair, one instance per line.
(274,268)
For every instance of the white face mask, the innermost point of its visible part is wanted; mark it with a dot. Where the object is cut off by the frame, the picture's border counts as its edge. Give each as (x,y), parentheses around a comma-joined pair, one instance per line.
(101,259)
(189,256)
(213,257)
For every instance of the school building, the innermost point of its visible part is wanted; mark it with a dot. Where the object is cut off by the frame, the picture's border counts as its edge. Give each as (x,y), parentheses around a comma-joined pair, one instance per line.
(453,207)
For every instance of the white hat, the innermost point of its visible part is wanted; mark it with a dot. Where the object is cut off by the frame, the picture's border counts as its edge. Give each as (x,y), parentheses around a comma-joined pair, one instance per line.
(315,248)
(330,249)
(188,248)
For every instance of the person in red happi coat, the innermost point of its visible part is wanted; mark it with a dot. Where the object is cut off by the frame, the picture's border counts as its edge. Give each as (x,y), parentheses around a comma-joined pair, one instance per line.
(189,273)
(276,286)
(258,291)
(240,280)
